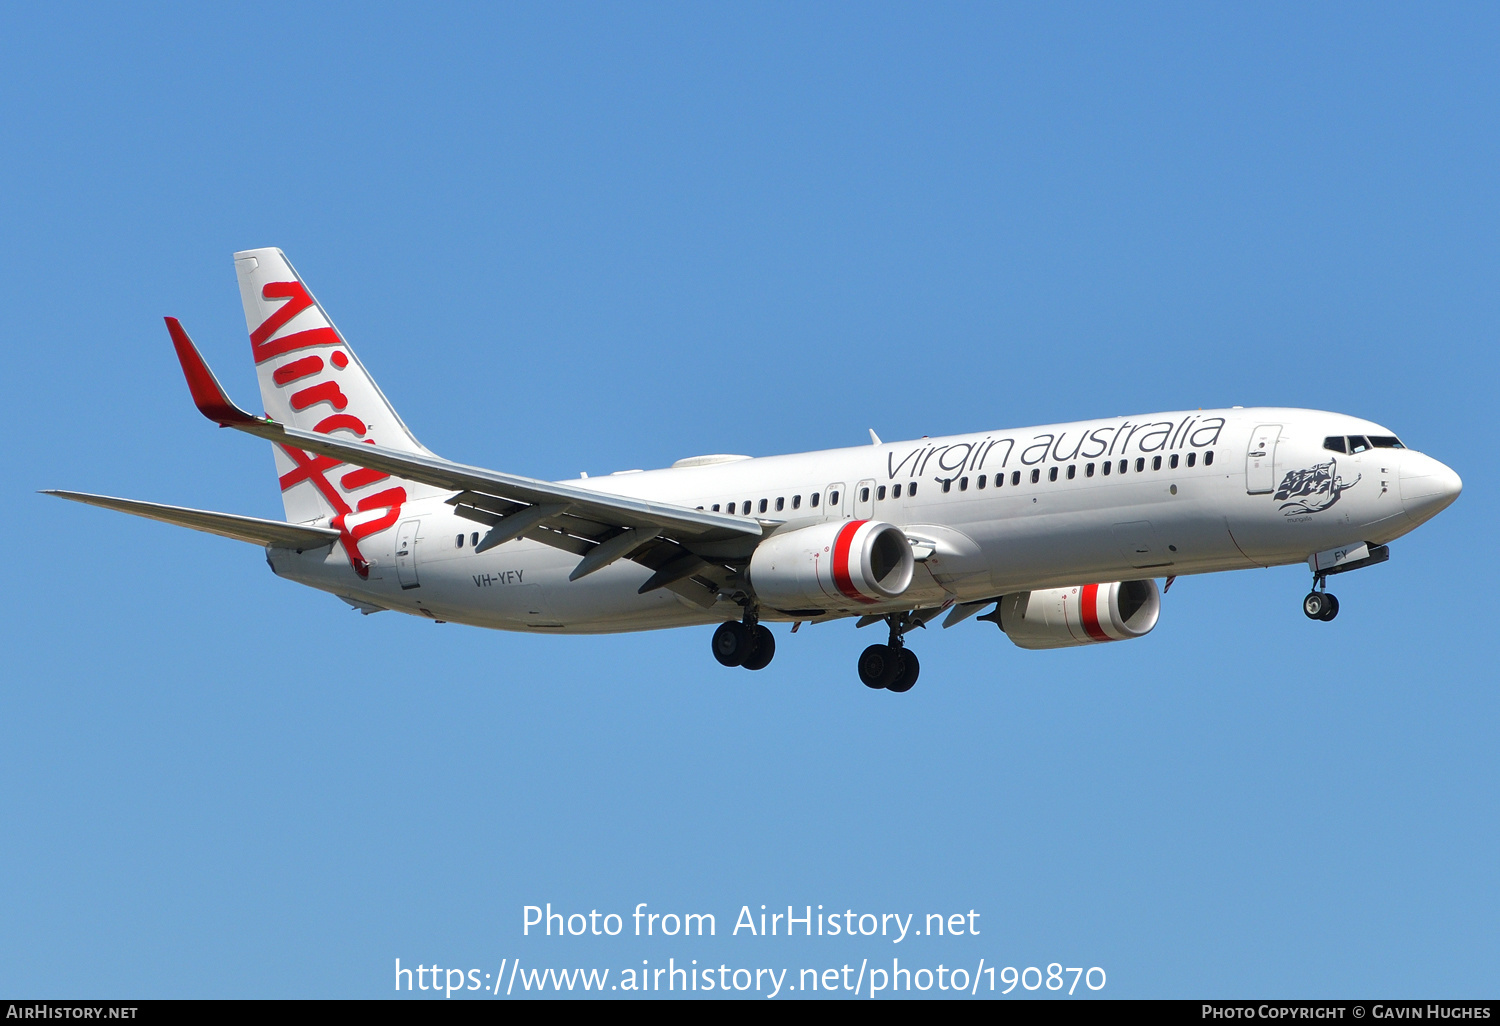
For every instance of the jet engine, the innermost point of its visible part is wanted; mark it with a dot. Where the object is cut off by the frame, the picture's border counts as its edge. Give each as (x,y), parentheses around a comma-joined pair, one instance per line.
(1064,617)
(840,565)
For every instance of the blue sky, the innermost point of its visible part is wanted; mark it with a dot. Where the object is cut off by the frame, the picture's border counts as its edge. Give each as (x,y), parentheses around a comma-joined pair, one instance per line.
(590,238)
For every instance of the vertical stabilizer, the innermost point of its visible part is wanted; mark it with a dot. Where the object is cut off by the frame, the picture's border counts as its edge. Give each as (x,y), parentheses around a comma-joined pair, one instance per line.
(311,379)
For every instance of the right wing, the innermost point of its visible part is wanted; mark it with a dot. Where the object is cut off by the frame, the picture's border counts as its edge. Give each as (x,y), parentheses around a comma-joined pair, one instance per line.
(679,543)
(227,525)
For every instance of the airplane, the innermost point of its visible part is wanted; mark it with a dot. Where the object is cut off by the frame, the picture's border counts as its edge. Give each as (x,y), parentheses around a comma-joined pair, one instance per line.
(1062,529)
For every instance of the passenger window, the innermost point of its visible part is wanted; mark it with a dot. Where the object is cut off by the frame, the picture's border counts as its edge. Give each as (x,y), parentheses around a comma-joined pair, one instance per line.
(1052,474)
(1386,442)
(812,500)
(980,482)
(880,493)
(1358,443)
(1107,465)
(833,498)
(796,502)
(1192,458)
(1173,461)
(911,489)
(1335,443)
(746,507)
(963,484)
(780,503)
(864,495)
(1036,475)
(1140,464)
(762,505)
(1088,471)
(1208,458)
(459,542)
(947,485)
(1156,463)
(716,507)
(1072,471)
(729,507)
(896,492)
(475,539)
(1124,466)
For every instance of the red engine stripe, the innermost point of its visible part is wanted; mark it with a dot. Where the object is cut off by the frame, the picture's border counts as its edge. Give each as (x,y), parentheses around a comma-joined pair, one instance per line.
(1088,606)
(841,546)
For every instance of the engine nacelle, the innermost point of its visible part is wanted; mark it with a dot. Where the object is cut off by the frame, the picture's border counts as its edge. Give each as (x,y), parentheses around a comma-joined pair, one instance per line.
(1064,617)
(842,565)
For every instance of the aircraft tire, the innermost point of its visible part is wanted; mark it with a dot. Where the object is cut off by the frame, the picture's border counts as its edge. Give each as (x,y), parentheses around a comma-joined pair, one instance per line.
(878,666)
(764,648)
(732,643)
(1315,605)
(910,668)
(1332,610)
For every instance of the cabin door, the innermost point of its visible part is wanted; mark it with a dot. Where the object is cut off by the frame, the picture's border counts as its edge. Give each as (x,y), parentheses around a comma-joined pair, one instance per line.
(406,554)
(1260,459)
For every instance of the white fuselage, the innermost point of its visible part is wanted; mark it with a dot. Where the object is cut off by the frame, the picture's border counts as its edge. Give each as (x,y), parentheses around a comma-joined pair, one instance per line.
(993,513)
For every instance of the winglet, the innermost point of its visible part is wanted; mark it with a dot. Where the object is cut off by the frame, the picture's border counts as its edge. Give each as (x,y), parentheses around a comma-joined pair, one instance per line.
(208,394)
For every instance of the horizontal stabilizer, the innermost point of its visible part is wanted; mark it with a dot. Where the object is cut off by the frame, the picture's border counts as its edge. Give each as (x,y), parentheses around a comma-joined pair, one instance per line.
(228,525)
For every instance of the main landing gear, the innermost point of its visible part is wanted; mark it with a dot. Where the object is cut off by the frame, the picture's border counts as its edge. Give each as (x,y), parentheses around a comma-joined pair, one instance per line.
(1320,604)
(745,644)
(890,666)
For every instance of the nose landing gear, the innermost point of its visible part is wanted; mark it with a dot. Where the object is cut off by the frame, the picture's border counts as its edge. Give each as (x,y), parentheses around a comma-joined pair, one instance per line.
(1320,604)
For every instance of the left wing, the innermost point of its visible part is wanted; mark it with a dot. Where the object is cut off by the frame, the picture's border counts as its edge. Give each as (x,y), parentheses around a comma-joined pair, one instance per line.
(692,551)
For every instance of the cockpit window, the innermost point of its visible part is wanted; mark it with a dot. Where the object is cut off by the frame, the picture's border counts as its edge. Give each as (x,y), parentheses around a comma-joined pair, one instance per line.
(1334,443)
(1386,442)
(1358,443)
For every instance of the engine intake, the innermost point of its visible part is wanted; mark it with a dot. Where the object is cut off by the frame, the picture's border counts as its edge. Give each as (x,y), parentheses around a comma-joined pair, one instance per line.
(842,565)
(1090,613)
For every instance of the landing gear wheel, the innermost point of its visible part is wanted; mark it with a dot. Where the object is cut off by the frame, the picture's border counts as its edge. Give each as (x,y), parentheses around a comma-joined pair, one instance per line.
(764,648)
(879,665)
(910,667)
(732,643)
(1317,604)
(1332,604)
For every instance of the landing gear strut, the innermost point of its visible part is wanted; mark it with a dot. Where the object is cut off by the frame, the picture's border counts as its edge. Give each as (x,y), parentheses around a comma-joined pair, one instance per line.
(1320,604)
(891,666)
(747,644)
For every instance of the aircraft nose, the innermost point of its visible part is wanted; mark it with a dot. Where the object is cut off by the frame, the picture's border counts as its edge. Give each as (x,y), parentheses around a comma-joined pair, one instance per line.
(1427,486)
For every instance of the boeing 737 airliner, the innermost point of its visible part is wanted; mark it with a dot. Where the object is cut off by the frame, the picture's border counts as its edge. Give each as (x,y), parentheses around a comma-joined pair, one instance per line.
(1062,528)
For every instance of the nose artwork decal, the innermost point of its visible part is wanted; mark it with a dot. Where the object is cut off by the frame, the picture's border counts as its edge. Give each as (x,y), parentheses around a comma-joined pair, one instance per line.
(1311,490)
